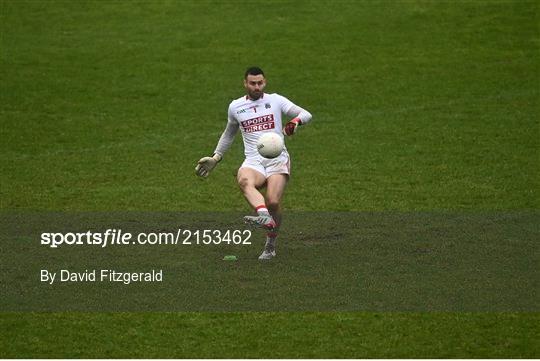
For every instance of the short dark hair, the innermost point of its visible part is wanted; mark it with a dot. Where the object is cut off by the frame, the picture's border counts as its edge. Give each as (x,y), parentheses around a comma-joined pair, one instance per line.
(253,70)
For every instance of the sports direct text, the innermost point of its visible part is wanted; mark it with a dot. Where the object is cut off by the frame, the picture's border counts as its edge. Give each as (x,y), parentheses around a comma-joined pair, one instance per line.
(117,237)
(263,122)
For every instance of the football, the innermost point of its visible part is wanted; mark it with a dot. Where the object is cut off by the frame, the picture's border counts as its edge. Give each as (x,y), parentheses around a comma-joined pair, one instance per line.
(270,145)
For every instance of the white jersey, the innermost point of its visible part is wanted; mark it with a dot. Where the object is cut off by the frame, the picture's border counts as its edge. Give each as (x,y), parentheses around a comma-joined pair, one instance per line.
(256,117)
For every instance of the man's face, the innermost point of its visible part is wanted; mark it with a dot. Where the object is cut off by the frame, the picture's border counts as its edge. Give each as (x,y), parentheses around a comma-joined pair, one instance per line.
(255,86)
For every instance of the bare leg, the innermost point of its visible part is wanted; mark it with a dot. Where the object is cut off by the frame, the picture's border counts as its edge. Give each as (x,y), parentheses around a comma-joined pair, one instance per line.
(275,187)
(249,181)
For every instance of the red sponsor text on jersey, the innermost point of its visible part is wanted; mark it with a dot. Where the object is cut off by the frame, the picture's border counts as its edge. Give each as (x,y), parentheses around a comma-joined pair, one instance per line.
(263,122)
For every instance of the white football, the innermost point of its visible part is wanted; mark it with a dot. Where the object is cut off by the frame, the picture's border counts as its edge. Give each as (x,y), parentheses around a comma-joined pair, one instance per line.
(270,145)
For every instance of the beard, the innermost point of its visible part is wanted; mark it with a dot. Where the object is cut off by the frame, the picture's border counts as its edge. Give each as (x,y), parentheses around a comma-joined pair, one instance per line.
(255,95)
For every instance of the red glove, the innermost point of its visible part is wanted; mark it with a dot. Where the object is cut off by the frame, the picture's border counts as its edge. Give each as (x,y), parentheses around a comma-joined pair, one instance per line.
(290,127)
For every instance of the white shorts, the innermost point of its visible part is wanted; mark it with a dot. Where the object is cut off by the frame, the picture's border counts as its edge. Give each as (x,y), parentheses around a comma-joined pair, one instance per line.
(268,167)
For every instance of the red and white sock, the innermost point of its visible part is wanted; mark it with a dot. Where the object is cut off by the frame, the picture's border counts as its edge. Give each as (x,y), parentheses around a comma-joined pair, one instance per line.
(262,210)
(271,237)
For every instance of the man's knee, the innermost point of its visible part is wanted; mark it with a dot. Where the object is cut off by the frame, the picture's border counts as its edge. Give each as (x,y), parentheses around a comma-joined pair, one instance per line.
(272,204)
(245,182)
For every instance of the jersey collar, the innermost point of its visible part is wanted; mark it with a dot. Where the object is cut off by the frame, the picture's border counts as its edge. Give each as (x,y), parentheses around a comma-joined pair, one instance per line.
(248,98)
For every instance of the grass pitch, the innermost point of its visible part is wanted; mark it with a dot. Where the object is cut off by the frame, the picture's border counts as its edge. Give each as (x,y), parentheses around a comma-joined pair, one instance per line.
(418,106)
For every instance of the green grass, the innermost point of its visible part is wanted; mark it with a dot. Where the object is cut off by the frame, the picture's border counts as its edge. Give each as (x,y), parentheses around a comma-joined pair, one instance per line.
(418,106)
(271,335)
(110,104)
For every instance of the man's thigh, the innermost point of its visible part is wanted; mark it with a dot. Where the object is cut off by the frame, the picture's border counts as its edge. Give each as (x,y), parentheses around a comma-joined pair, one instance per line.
(250,176)
(275,186)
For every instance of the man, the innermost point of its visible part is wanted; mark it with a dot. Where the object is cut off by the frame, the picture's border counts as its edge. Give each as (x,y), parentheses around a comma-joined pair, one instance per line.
(255,114)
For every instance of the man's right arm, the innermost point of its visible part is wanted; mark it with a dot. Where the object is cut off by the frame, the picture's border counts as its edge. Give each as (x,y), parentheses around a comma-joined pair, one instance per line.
(206,164)
(227,137)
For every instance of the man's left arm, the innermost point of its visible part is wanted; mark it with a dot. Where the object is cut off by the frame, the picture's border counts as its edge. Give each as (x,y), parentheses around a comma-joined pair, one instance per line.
(300,117)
